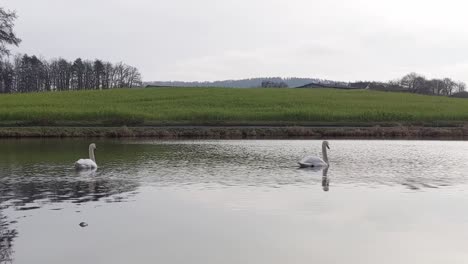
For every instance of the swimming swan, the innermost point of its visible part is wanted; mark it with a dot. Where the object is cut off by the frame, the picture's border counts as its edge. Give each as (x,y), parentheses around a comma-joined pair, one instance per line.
(87,164)
(312,161)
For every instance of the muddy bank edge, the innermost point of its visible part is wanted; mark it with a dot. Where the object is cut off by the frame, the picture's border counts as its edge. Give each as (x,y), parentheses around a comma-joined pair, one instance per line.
(239,132)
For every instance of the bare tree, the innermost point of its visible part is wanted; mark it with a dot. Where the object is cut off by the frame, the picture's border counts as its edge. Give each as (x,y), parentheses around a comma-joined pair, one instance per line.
(6,77)
(7,36)
(461,87)
(133,77)
(411,81)
(77,74)
(421,85)
(98,74)
(449,86)
(61,72)
(108,75)
(437,86)
(88,75)
(120,73)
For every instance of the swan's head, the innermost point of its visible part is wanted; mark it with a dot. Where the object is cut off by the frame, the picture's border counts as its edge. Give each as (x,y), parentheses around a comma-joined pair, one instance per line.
(92,146)
(325,144)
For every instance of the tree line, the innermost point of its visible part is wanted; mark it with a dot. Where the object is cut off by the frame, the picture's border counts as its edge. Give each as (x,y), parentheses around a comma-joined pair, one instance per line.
(272,84)
(26,73)
(416,83)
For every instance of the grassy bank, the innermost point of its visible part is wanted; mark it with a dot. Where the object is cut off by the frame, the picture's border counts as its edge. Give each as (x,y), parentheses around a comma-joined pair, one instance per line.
(211,132)
(220,106)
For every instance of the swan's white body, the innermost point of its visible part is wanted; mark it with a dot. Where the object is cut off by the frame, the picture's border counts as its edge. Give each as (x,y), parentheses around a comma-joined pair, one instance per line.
(87,164)
(313,161)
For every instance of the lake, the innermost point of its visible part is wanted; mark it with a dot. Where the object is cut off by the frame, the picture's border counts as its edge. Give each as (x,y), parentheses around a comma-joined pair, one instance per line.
(233,201)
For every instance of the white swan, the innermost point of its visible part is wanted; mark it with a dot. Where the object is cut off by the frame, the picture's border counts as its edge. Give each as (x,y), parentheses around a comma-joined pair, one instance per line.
(313,161)
(87,164)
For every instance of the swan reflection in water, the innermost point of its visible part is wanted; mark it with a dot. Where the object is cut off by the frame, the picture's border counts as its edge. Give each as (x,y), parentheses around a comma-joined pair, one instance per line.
(325,180)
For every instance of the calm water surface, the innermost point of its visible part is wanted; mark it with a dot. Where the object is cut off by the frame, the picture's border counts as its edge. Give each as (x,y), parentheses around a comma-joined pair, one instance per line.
(237,201)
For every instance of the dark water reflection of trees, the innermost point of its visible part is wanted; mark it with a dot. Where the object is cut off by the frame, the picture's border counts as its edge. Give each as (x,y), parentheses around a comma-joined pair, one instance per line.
(24,194)
(7,235)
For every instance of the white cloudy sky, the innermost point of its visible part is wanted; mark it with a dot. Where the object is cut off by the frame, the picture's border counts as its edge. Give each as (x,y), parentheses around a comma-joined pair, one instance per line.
(227,39)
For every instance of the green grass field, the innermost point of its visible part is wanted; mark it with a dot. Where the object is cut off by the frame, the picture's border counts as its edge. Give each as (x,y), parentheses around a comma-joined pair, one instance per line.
(227,106)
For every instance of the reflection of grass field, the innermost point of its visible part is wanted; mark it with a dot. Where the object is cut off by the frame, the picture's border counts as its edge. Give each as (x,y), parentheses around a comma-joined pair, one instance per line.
(224,105)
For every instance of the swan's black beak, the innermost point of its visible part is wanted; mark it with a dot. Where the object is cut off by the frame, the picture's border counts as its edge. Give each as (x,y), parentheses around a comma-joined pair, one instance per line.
(328,147)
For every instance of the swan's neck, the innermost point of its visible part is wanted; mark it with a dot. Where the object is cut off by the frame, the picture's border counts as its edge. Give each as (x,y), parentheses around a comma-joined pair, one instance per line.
(324,153)
(91,154)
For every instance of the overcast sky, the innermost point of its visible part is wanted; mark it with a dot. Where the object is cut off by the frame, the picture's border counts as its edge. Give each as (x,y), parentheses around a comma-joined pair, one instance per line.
(223,39)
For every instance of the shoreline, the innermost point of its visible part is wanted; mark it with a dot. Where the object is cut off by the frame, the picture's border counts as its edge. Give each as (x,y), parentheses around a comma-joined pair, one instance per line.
(238,132)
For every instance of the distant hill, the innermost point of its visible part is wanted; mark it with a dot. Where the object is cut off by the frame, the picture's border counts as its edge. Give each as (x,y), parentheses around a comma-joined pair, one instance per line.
(245,83)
